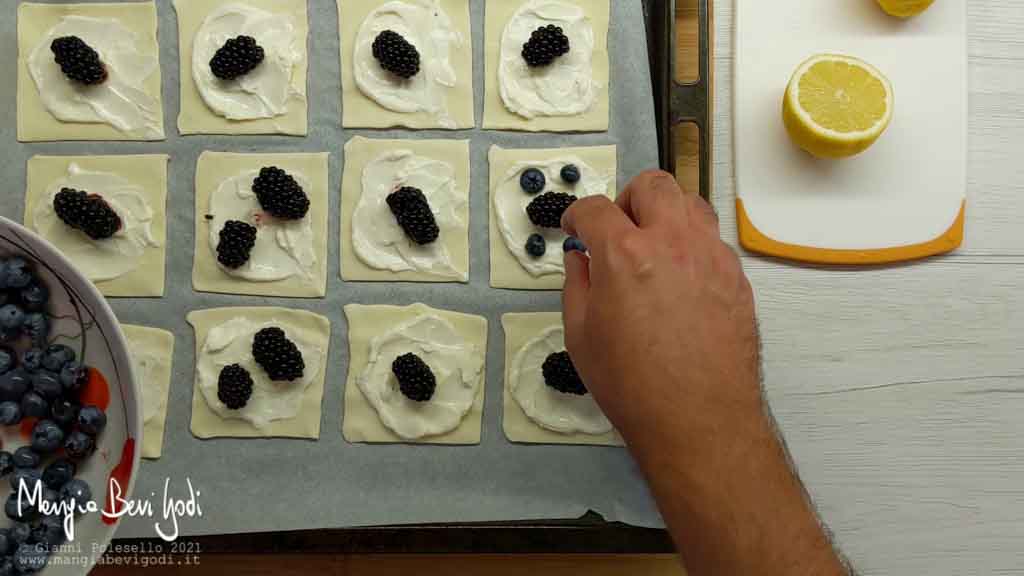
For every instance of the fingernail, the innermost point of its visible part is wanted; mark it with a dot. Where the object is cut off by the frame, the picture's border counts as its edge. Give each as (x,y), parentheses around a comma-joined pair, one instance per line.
(572,243)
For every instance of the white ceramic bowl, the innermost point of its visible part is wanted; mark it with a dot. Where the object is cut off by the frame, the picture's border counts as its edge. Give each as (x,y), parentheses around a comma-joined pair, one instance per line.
(81,318)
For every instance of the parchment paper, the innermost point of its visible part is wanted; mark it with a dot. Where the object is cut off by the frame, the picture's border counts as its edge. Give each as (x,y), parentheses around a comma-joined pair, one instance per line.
(262,485)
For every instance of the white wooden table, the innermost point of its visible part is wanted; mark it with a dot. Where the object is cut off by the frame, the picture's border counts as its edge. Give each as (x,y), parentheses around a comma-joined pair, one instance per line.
(901,389)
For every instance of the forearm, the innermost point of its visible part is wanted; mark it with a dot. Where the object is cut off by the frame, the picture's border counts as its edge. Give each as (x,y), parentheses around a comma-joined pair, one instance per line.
(731,500)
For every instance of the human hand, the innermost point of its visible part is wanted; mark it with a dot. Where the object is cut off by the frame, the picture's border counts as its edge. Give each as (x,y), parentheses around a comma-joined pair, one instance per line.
(659,319)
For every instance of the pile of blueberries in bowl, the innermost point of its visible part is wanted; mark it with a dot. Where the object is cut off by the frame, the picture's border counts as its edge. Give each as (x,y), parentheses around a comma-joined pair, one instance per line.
(42,406)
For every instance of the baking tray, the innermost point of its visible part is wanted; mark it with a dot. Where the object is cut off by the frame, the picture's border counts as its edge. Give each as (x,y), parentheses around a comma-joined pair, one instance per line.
(677,102)
(590,533)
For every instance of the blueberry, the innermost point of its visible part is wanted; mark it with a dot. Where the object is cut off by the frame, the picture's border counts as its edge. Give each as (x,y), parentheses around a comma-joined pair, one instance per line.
(6,463)
(11,317)
(7,360)
(22,512)
(34,297)
(77,490)
(64,412)
(57,356)
(10,413)
(532,181)
(37,327)
(24,457)
(92,420)
(6,544)
(536,246)
(20,532)
(29,559)
(32,359)
(47,384)
(29,476)
(18,274)
(78,445)
(73,377)
(570,173)
(47,437)
(34,406)
(49,531)
(13,385)
(58,473)
(572,243)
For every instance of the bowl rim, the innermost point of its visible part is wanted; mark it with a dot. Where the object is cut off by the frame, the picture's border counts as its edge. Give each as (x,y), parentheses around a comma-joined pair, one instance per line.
(118,343)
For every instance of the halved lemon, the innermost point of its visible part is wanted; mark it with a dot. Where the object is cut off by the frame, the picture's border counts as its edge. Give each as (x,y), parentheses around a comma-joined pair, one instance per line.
(905,8)
(837,106)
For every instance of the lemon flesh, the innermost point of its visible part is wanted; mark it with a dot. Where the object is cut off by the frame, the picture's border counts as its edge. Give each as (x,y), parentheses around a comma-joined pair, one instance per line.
(905,8)
(837,106)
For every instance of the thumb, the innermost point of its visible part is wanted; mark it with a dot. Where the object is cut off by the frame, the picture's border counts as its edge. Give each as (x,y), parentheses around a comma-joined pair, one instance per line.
(575,295)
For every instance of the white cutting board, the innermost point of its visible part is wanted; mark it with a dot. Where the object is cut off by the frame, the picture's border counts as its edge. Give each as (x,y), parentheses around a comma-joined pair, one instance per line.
(902,199)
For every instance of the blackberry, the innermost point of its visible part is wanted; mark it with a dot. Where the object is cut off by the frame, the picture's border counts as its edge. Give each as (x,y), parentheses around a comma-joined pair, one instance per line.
(536,246)
(560,374)
(532,181)
(545,45)
(236,242)
(396,54)
(415,379)
(280,195)
(237,57)
(6,463)
(234,386)
(89,213)
(277,355)
(546,210)
(78,61)
(413,213)
(570,173)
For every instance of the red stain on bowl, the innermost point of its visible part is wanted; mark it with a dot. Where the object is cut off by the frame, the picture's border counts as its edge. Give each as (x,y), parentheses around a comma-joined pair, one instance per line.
(96,391)
(27,425)
(121,473)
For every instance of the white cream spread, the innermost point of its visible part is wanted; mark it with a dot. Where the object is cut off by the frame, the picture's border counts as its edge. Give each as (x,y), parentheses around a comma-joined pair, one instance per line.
(510,202)
(154,393)
(426,26)
(121,101)
(567,86)
(457,365)
(112,257)
(231,343)
(284,248)
(549,408)
(266,91)
(377,238)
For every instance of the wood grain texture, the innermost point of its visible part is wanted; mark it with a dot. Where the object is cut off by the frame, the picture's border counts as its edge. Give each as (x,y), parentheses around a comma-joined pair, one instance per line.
(900,389)
(687,135)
